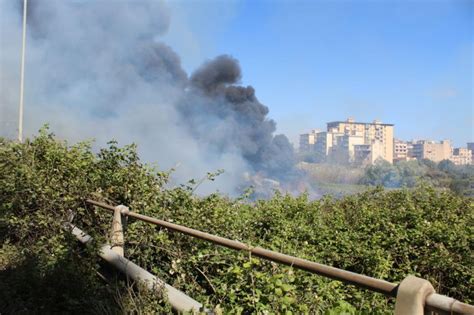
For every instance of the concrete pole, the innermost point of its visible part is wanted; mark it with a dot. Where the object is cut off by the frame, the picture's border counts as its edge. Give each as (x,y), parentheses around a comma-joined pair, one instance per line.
(178,300)
(22,74)
(117,240)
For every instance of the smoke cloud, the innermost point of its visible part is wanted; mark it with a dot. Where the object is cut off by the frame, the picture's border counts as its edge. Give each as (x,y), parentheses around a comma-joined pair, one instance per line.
(97,69)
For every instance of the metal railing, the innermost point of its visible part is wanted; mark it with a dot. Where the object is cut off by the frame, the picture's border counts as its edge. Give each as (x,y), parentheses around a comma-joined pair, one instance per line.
(434,302)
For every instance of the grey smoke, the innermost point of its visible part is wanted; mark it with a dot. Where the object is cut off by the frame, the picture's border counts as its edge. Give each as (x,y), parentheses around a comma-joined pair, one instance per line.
(97,69)
(158,62)
(214,75)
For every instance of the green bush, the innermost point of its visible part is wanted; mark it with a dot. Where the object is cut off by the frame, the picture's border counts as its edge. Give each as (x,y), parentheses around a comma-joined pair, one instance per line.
(384,234)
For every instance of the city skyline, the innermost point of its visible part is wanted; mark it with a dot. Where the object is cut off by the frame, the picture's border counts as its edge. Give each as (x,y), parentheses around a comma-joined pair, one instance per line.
(361,143)
(370,121)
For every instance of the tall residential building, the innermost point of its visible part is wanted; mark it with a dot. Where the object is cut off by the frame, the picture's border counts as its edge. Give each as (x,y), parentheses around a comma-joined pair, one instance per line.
(308,141)
(362,142)
(344,150)
(368,153)
(410,154)
(461,156)
(325,142)
(350,141)
(427,149)
(470,146)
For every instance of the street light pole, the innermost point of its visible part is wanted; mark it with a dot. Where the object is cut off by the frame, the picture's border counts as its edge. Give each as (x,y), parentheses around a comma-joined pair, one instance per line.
(22,74)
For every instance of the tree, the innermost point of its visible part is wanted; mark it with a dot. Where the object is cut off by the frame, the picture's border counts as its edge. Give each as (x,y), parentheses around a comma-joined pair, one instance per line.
(447,166)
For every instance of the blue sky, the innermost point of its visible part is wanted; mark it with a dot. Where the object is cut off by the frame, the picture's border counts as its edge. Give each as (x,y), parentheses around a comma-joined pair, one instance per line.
(404,62)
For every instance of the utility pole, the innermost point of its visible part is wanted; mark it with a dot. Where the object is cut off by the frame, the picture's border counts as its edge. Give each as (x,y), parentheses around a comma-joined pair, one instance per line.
(22,74)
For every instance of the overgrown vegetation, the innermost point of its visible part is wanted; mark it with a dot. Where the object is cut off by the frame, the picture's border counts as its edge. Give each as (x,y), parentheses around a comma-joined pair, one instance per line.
(384,234)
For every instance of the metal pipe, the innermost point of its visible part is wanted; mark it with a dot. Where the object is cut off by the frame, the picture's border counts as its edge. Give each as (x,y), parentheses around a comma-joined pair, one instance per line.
(435,302)
(373,284)
(178,300)
(442,304)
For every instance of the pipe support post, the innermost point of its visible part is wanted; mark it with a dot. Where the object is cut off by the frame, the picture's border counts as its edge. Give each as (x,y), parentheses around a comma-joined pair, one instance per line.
(411,296)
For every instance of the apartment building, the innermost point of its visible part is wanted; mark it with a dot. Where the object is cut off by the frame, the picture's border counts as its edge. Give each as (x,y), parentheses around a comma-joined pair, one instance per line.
(470,146)
(368,153)
(350,141)
(308,141)
(431,150)
(403,150)
(344,149)
(363,142)
(325,142)
(400,150)
(461,156)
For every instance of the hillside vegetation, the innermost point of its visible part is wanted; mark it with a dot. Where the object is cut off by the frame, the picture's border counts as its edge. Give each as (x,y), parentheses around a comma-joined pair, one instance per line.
(385,234)
(340,180)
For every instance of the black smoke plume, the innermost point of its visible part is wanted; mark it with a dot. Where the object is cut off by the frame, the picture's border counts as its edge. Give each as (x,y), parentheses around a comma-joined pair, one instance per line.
(251,130)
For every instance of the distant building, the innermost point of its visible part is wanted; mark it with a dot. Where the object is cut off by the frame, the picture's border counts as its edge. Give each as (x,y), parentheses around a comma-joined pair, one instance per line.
(368,153)
(325,141)
(363,143)
(308,141)
(350,141)
(344,149)
(461,156)
(431,150)
(470,146)
(371,141)
(403,150)
(410,154)
(400,150)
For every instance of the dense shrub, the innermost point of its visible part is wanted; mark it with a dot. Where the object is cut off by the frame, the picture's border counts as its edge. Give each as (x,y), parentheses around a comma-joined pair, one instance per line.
(384,234)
